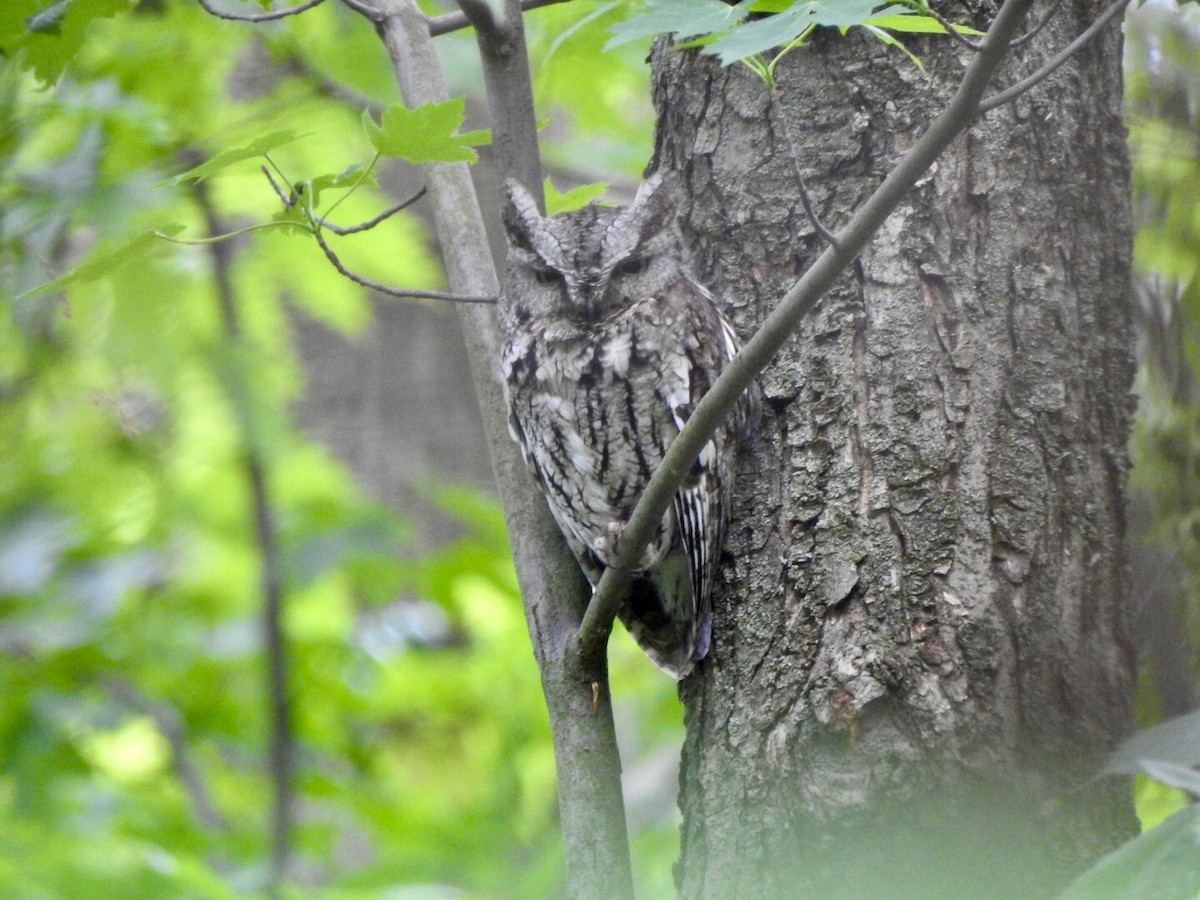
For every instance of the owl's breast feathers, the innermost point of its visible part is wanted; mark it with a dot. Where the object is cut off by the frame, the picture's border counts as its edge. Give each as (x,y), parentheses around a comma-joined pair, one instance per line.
(595,405)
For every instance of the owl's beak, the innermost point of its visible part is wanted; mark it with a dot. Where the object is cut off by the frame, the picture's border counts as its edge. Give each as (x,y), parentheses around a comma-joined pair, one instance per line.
(589,295)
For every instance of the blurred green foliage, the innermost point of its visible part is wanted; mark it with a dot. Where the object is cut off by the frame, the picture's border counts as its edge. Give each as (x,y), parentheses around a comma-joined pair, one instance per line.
(133,707)
(1163,115)
(133,703)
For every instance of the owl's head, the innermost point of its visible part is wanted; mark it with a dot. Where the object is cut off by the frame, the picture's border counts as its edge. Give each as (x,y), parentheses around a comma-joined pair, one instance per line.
(592,263)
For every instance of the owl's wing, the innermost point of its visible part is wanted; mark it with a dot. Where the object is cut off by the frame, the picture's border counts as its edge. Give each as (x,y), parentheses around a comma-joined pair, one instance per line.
(748,410)
(698,504)
(701,503)
(700,520)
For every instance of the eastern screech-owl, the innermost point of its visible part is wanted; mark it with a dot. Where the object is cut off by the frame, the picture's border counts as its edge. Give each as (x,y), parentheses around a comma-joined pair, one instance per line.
(608,344)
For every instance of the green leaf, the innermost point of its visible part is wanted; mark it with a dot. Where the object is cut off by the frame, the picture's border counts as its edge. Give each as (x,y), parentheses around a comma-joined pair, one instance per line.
(911,23)
(225,158)
(50,36)
(680,18)
(104,263)
(1174,741)
(48,20)
(894,42)
(1181,777)
(576,198)
(781,29)
(425,134)
(1162,862)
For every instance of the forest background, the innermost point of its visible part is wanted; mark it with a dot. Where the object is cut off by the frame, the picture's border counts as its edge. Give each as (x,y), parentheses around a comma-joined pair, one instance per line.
(171,405)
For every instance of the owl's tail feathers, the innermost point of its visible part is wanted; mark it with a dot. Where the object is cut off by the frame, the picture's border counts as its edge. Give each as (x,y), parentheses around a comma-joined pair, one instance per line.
(662,617)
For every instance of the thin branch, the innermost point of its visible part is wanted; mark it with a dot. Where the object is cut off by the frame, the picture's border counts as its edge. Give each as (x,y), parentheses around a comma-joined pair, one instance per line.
(758,352)
(281,750)
(1057,60)
(259,17)
(283,198)
(391,291)
(828,236)
(444,24)
(1032,32)
(365,9)
(951,29)
(371,223)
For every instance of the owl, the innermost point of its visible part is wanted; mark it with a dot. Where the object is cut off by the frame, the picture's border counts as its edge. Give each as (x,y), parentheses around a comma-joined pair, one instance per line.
(608,345)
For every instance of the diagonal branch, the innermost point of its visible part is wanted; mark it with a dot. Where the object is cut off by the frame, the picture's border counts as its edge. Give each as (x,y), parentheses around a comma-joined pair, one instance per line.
(364,9)
(758,352)
(370,223)
(553,589)
(1057,60)
(396,292)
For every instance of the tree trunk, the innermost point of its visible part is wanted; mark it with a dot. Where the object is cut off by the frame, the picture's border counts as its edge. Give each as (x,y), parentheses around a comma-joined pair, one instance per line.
(923,646)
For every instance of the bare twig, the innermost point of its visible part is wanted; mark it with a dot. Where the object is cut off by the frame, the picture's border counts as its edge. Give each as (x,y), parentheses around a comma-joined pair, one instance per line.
(1033,32)
(952,29)
(713,408)
(371,223)
(364,9)
(1057,60)
(391,291)
(828,236)
(444,24)
(259,17)
(282,742)
(553,589)
(283,198)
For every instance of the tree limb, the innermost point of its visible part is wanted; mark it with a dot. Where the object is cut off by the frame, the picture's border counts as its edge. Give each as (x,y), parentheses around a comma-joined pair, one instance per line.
(552,586)
(364,9)
(758,352)
(951,29)
(370,223)
(396,292)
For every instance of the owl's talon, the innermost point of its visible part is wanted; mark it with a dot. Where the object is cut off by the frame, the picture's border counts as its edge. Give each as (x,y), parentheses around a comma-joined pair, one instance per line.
(605,547)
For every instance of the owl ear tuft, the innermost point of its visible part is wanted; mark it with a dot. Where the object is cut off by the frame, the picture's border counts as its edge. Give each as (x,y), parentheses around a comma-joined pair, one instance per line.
(520,216)
(655,206)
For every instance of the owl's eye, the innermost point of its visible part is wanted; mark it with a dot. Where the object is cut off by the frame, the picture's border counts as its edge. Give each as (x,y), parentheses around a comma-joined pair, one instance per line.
(634,266)
(547,276)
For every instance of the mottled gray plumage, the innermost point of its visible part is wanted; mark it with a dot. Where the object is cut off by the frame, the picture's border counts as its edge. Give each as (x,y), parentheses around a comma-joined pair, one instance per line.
(608,344)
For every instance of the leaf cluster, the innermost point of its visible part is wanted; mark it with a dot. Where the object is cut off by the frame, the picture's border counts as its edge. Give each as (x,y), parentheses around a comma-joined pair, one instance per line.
(759,33)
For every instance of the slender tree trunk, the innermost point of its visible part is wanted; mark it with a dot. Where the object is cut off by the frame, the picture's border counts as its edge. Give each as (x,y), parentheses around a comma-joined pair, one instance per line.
(924,641)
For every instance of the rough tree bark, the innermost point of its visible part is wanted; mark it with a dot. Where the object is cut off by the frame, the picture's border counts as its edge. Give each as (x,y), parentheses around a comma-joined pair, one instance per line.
(924,643)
